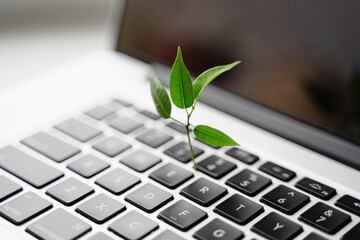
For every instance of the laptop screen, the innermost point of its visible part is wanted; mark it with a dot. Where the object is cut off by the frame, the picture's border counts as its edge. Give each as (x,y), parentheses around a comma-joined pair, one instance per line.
(300,58)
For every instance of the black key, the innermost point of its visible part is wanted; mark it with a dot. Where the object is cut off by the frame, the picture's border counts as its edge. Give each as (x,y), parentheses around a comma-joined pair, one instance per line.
(277,171)
(24,208)
(242,155)
(122,102)
(59,224)
(88,166)
(352,234)
(177,127)
(168,235)
(215,147)
(171,175)
(314,236)
(217,229)
(239,209)
(133,226)
(117,181)
(149,114)
(248,182)
(149,198)
(276,227)
(99,113)
(50,146)
(349,203)
(78,130)
(27,168)
(315,188)
(154,138)
(112,146)
(8,188)
(285,199)
(100,236)
(181,152)
(140,160)
(69,191)
(182,215)
(100,208)
(204,192)
(126,125)
(325,218)
(215,167)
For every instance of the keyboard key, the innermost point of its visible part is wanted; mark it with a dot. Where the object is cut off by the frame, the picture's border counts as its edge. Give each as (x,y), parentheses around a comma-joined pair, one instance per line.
(325,218)
(126,125)
(212,146)
(100,208)
(239,209)
(218,229)
(88,166)
(242,155)
(8,188)
(352,234)
(69,191)
(50,146)
(315,188)
(154,138)
(59,224)
(177,127)
(24,208)
(277,171)
(78,130)
(168,235)
(140,160)
(204,192)
(171,175)
(27,168)
(99,113)
(149,198)
(314,236)
(112,146)
(117,181)
(181,152)
(149,114)
(215,167)
(285,199)
(182,215)
(122,102)
(248,182)
(100,236)
(349,203)
(275,226)
(133,226)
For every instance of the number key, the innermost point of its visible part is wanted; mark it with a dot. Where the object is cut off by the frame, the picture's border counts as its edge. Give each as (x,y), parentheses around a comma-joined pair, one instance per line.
(325,218)
(285,199)
(248,182)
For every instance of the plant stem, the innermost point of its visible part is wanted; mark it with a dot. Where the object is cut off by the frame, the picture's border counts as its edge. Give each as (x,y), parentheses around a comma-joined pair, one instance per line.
(189,140)
(190,146)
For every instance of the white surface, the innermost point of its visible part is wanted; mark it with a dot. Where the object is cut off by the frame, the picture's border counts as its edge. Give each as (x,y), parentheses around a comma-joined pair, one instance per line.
(36,35)
(92,80)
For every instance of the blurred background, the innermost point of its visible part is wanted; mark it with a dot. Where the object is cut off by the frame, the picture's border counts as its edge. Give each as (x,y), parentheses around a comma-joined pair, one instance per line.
(36,35)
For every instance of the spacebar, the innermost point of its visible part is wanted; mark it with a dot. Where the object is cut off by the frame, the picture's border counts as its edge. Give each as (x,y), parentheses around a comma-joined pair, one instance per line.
(27,168)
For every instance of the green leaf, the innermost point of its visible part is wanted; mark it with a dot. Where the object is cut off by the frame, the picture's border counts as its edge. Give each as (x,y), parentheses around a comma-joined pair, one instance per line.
(213,136)
(206,77)
(160,97)
(181,88)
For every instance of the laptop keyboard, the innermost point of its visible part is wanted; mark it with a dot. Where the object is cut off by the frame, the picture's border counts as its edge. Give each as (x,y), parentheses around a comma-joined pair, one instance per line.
(158,180)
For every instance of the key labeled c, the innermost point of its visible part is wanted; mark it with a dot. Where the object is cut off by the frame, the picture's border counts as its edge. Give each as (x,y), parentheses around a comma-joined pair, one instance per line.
(134,224)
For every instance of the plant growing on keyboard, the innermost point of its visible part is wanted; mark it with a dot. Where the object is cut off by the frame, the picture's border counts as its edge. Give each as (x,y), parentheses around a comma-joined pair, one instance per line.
(184,95)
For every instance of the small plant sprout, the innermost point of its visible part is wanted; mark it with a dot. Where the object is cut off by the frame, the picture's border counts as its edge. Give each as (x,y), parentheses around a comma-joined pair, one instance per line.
(184,95)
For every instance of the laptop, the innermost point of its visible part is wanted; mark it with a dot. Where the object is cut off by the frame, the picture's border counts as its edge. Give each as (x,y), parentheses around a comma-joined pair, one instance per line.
(84,155)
